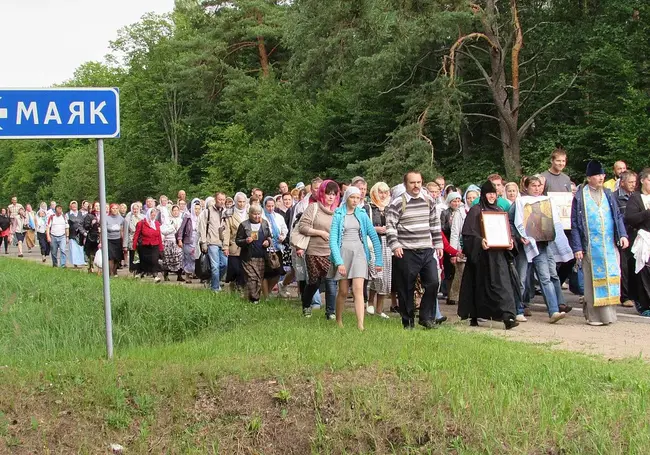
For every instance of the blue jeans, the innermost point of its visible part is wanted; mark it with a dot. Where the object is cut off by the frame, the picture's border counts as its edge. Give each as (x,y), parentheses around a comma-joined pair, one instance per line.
(218,264)
(58,243)
(544,265)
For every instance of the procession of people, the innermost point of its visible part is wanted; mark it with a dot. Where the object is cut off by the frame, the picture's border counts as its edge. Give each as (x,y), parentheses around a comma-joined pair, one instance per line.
(485,248)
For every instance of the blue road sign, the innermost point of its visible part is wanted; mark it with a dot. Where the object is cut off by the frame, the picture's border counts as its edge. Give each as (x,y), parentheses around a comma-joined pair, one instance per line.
(59,113)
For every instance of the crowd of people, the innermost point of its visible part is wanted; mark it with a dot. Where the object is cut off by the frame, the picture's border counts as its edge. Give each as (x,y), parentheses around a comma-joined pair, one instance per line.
(414,243)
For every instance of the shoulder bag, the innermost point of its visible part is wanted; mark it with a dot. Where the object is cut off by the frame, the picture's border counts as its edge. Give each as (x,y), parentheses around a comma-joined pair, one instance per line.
(298,240)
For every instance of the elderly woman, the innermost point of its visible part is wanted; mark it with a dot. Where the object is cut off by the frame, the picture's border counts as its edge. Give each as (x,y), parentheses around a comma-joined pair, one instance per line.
(457,214)
(187,237)
(233,217)
(76,225)
(315,223)
(173,253)
(114,222)
(30,235)
(487,287)
(380,283)
(91,228)
(512,191)
(253,237)
(149,244)
(350,255)
(20,226)
(130,225)
(41,226)
(278,234)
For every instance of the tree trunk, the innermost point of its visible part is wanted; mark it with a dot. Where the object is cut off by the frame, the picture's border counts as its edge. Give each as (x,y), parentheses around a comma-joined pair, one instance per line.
(261,46)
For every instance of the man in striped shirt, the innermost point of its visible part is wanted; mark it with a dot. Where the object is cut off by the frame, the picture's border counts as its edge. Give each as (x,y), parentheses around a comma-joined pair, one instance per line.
(412,233)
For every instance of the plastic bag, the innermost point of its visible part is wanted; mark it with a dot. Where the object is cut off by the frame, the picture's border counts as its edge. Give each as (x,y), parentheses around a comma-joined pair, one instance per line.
(203,269)
(577,280)
(98,259)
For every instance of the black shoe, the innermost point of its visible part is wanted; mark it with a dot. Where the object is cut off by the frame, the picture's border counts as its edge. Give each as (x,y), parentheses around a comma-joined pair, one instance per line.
(565,308)
(441,320)
(473,322)
(394,309)
(408,324)
(510,324)
(428,325)
(451,302)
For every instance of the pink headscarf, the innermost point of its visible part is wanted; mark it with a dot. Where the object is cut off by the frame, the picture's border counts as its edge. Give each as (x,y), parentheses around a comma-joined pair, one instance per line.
(321,195)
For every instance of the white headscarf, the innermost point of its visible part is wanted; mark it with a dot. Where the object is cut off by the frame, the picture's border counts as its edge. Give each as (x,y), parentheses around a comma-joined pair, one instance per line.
(242,213)
(150,222)
(349,192)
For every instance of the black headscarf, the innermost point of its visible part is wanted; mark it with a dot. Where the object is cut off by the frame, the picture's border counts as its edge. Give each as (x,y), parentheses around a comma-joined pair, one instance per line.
(472,225)
(488,187)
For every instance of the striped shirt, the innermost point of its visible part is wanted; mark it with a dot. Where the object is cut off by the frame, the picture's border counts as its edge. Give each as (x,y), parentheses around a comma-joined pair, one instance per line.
(412,223)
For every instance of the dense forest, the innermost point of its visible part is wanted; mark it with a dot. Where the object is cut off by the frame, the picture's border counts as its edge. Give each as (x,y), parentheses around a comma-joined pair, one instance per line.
(233,94)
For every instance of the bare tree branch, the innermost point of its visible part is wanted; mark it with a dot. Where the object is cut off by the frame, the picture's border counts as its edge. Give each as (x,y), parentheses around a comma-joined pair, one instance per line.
(409,78)
(522,130)
(478,114)
(422,119)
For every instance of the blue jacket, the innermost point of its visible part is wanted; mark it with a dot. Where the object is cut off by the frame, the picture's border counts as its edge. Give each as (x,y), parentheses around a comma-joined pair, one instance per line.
(367,230)
(578,239)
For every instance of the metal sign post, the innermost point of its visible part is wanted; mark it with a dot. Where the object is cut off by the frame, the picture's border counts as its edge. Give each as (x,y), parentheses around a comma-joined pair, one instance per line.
(105,268)
(68,113)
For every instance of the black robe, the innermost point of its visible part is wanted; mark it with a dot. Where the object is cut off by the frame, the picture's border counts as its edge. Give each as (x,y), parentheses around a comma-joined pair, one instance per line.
(486,290)
(638,217)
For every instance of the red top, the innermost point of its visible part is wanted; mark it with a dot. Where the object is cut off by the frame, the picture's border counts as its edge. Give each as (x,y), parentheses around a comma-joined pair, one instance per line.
(450,250)
(150,236)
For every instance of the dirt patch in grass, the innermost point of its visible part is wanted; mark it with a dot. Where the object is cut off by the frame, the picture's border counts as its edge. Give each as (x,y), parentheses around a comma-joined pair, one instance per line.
(359,411)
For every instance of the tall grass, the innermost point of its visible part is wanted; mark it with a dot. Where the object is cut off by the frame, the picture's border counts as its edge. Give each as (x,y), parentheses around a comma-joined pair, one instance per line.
(491,395)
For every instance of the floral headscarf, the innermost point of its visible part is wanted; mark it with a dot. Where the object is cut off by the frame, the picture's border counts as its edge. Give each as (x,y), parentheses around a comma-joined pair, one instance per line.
(321,195)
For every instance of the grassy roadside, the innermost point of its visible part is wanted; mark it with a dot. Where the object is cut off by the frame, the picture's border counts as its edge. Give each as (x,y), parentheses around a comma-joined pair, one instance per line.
(203,373)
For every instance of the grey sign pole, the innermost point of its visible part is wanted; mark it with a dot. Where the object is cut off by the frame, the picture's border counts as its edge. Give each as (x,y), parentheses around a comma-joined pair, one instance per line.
(105,267)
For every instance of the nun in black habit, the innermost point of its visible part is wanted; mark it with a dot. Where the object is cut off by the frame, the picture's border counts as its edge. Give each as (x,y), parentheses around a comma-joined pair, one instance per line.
(487,286)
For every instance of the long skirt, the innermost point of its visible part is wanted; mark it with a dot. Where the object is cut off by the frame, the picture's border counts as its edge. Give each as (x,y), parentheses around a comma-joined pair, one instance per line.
(454,292)
(605,314)
(77,253)
(172,257)
(90,248)
(235,273)
(254,272)
(149,255)
(114,249)
(30,238)
(381,282)
(134,267)
(188,258)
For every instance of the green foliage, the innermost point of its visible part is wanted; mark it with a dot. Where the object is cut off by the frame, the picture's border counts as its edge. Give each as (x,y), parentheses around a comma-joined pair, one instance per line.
(229,95)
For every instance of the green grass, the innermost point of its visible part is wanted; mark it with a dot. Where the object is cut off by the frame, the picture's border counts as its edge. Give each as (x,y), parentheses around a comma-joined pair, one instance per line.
(197,372)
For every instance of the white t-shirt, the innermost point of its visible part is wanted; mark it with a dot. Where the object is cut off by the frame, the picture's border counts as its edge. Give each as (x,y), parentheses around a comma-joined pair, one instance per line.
(58,225)
(646,200)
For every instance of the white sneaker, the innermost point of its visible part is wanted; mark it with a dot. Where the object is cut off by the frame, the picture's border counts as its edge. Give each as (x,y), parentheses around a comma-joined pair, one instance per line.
(556,317)
(370,309)
(282,291)
(521,318)
(384,315)
(157,279)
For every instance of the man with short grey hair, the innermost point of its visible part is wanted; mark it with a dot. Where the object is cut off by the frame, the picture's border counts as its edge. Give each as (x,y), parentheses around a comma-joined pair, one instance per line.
(627,186)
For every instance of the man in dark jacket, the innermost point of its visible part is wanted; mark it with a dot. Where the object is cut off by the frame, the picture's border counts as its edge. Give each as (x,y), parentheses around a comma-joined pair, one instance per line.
(626,186)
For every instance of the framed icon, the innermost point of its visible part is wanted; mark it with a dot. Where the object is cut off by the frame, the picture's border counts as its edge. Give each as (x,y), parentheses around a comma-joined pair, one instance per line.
(562,202)
(496,229)
(538,221)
